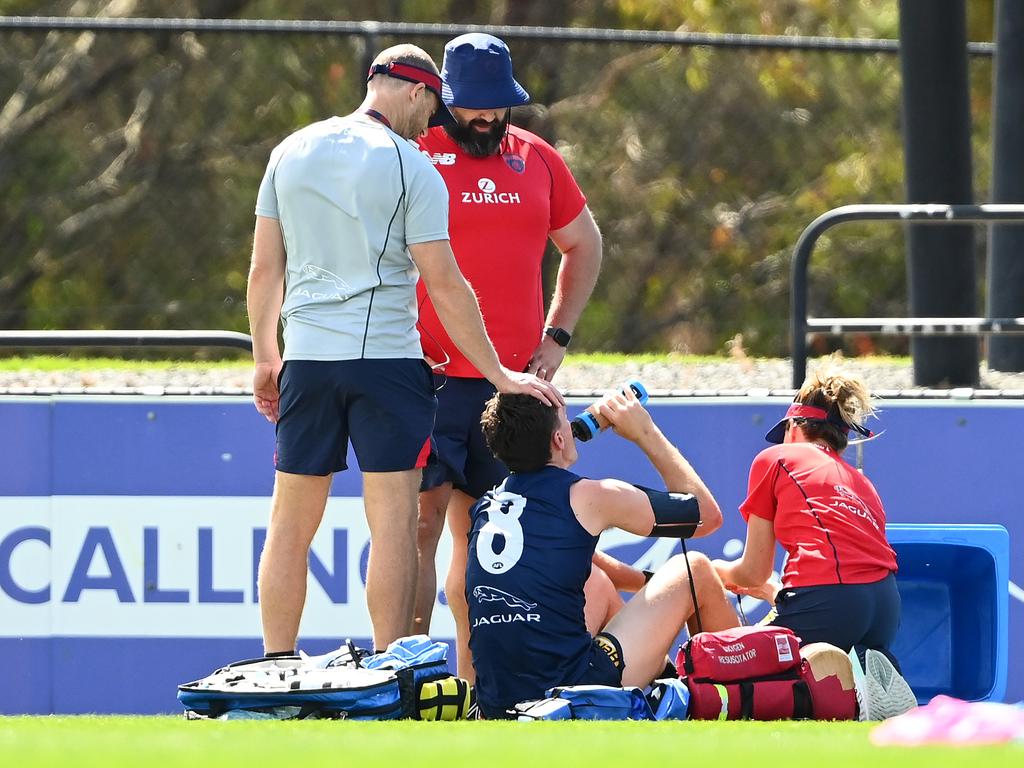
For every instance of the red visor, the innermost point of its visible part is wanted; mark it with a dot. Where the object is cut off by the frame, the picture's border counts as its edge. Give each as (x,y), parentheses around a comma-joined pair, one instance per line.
(801,411)
(413,74)
(408,72)
(812,413)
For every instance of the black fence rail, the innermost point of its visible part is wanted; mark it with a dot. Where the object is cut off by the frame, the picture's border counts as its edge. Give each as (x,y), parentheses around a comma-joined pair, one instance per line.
(66,339)
(801,326)
(369,30)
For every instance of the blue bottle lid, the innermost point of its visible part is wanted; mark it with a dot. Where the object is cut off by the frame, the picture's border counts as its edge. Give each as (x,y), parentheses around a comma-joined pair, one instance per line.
(638,389)
(585,426)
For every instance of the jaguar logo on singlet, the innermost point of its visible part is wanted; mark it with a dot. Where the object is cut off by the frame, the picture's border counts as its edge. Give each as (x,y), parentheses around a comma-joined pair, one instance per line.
(491,594)
(484,594)
(489,195)
(504,618)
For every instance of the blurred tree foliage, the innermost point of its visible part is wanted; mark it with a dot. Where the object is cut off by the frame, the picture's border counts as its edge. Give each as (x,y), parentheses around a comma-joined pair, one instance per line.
(129,162)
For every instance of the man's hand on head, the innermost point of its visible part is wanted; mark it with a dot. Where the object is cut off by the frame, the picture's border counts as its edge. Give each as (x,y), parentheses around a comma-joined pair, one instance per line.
(529,384)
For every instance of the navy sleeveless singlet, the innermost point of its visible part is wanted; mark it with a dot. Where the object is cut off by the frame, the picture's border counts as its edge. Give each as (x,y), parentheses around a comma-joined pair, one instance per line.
(529,559)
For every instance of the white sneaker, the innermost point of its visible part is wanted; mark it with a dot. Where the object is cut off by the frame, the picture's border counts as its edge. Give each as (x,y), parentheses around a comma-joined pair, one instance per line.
(881,690)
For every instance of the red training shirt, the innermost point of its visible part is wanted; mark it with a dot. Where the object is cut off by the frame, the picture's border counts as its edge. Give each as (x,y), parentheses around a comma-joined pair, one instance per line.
(827,515)
(501,210)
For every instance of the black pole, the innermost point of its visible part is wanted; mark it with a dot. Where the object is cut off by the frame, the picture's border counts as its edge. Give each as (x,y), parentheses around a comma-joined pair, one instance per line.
(368,43)
(1005,283)
(937,148)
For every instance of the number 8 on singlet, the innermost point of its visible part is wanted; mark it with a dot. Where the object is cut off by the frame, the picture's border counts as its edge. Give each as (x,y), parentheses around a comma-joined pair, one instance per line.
(499,545)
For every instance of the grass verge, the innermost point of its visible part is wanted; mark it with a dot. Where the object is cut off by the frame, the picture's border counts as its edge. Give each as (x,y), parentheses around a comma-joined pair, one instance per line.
(113,742)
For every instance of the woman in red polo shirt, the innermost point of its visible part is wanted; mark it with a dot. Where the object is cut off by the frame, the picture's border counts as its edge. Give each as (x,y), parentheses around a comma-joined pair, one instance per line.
(838,585)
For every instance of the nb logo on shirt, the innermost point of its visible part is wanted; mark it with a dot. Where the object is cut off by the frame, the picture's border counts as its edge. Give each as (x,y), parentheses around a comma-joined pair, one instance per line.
(489,195)
(441,158)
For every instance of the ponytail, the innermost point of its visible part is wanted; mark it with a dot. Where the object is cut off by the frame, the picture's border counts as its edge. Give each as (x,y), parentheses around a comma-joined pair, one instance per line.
(841,395)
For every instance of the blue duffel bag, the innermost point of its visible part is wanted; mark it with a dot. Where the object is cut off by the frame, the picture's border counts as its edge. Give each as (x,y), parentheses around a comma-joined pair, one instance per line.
(587,702)
(667,700)
(346,683)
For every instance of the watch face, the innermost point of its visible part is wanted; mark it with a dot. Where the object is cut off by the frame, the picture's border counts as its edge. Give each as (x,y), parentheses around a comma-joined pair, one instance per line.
(560,336)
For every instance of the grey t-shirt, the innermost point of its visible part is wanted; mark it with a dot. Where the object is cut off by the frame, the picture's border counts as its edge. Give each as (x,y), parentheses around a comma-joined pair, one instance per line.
(351,196)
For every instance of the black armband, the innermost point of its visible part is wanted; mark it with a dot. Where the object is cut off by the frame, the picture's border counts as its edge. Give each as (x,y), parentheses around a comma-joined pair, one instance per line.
(676,515)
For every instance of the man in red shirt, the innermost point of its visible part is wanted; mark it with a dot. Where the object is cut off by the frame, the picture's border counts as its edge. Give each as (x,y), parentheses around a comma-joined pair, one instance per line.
(509,192)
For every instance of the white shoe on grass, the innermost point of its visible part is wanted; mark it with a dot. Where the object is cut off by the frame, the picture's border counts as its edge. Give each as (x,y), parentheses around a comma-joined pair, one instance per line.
(881,690)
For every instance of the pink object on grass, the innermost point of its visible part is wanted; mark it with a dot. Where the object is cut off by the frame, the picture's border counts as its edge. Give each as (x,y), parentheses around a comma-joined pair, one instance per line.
(945,720)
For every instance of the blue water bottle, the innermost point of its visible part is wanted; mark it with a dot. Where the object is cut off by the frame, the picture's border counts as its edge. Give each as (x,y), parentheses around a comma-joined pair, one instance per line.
(589,423)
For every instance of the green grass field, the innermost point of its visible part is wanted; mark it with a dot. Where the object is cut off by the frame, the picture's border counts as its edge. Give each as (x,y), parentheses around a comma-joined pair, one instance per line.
(91,363)
(112,742)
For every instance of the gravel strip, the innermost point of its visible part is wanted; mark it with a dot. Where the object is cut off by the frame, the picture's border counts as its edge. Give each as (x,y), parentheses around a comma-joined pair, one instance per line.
(727,377)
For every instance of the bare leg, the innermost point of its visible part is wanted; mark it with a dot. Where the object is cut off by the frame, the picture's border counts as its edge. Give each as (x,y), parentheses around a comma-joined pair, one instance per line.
(390,501)
(295,513)
(603,600)
(647,625)
(716,609)
(432,506)
(455,584)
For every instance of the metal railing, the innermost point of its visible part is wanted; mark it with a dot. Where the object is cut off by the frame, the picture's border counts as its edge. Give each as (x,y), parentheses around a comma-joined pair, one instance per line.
(370,30)
(231,339)
(801,326)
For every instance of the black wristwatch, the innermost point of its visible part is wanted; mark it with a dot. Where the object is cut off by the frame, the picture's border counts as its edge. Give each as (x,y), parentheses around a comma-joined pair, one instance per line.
(561,336)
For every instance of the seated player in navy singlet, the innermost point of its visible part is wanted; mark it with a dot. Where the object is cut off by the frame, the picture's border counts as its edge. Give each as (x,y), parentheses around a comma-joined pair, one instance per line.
(532,543)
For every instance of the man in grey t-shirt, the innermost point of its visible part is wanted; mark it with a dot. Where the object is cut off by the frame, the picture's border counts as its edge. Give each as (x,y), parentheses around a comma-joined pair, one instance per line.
(348,217)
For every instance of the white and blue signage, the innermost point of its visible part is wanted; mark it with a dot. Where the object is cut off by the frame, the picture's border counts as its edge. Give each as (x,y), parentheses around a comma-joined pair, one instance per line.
(131,529)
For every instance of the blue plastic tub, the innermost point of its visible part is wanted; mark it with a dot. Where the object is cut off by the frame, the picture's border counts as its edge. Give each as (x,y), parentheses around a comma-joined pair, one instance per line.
(954,582)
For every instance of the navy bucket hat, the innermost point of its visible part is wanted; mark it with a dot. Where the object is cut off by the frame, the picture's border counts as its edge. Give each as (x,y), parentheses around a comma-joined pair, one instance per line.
(477,74)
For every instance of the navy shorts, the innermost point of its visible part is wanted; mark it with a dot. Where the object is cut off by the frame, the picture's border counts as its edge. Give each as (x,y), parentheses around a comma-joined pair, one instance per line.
(385,407)
(604,667)
(459,453)
(846,615)
(606,662)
